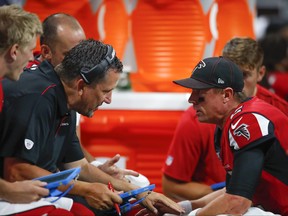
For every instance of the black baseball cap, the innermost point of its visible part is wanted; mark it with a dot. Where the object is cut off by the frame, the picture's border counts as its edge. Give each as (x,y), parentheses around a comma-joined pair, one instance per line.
(214,72)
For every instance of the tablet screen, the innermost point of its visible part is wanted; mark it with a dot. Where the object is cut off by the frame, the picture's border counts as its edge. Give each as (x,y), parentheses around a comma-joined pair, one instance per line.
(53,178)
(56,179)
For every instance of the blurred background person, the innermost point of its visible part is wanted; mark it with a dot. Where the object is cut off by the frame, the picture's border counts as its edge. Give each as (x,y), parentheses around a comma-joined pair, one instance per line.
(275,48)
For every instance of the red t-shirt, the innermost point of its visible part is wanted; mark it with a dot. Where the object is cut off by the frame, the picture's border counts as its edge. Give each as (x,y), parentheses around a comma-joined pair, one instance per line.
(272,99)
(192,156)
(278,83)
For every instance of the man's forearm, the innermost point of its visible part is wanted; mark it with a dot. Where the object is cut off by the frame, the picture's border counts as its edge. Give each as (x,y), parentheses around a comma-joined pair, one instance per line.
(220,202)
(17,170)
(91,173)
(184,191)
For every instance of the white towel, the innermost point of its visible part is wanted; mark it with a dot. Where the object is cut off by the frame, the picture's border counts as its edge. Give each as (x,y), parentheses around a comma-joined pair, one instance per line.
(7,208)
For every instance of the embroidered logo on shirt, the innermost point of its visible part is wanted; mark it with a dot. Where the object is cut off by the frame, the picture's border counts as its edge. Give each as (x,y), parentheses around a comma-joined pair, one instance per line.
(169,160)
(242,130)
(28,144)
(233,126)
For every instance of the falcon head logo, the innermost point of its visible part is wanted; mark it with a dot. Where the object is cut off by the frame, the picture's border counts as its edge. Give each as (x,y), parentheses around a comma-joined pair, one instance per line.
(242,130)
(200,65)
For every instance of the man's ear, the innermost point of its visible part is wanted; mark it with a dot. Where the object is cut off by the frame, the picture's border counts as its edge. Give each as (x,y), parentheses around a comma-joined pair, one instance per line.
(228,94)
(261,73)
(13,52)
(46,52)
(80,86)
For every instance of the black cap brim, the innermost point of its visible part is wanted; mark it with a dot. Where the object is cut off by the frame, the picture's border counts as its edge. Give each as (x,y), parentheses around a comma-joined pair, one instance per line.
(193,84)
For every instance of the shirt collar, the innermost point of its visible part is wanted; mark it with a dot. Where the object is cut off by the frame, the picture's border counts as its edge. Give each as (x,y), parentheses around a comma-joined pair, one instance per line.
(47,69)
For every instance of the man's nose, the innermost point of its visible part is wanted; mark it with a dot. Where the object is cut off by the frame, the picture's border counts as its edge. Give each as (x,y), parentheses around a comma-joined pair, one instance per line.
(193,99)
(108,98)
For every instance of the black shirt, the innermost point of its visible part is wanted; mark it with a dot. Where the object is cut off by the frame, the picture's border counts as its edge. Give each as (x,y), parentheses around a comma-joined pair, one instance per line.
(36,124)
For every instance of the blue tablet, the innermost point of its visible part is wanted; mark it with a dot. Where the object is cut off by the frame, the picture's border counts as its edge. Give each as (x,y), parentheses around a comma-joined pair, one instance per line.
(61,178)
(126,205)
(130,194)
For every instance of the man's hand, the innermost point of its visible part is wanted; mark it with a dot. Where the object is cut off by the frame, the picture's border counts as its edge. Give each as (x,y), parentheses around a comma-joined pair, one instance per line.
(110,168)
(100,197)
(22,191)
(158,204)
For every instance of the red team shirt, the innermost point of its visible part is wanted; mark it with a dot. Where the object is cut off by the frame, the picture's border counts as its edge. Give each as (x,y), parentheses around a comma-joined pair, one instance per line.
(194,142)
(256,124)
(278,83)
(272,99)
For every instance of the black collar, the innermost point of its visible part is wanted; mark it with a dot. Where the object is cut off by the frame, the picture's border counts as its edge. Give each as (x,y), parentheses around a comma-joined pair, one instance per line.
(48,71)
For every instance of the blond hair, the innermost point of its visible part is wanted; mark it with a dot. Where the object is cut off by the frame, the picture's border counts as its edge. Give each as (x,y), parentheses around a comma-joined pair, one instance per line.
(17,26)
(244,52)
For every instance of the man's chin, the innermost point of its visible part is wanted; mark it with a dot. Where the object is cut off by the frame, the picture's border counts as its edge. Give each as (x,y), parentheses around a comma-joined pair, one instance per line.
(90,114)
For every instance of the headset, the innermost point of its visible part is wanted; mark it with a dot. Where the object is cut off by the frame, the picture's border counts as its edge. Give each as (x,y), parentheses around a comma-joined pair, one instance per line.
(88,74)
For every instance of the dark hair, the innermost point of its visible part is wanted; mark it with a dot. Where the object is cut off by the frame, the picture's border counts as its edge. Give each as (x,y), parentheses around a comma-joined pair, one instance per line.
(87,53)
(275,50)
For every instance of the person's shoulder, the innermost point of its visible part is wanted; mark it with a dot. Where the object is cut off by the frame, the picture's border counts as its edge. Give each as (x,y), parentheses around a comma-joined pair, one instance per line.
(272,98)
(268,96)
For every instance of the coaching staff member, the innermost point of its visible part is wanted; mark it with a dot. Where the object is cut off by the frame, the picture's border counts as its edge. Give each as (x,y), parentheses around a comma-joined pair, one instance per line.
(39,134)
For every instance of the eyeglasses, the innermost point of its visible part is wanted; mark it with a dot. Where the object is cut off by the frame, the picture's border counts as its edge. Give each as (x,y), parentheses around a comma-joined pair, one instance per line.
(88,74)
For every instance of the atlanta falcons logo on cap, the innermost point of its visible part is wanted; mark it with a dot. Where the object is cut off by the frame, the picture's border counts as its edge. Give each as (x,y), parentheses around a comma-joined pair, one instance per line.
(200,65)
(242,130)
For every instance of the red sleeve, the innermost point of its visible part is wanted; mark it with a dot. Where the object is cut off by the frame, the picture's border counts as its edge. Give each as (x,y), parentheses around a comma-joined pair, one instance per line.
(247,128)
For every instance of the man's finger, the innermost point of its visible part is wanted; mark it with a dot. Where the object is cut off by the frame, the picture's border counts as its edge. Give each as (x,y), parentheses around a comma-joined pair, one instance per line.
(130,172)
(113,160)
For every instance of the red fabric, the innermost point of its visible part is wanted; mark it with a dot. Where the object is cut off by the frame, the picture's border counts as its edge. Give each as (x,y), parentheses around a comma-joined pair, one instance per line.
(80,210)
(49,210)
(246,129)
(278,83)
(271,193)
(272,99)
(194,142)
(192,156)
(76,210)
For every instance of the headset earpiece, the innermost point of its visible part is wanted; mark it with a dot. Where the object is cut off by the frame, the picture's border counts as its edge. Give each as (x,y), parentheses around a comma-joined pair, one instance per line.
(88,74)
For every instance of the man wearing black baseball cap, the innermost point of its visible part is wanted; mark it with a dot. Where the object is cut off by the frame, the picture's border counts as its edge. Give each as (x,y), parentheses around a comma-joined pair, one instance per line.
(214,72)
(250,138)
